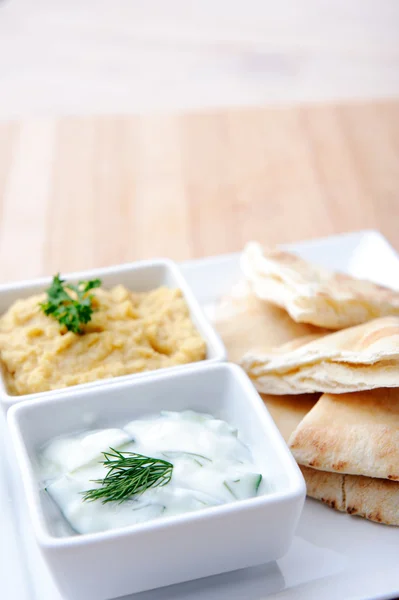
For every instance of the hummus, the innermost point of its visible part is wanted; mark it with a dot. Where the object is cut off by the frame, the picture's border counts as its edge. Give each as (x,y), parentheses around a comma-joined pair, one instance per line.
(128,333)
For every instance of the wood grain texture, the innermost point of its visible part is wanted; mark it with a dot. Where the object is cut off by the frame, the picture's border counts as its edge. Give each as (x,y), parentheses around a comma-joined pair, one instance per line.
(82,192)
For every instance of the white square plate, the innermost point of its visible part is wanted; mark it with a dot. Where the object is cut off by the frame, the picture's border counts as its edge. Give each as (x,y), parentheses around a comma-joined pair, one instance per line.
(333,556)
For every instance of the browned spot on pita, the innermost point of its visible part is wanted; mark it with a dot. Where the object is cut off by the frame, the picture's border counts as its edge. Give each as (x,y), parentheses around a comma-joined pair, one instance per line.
(394,477)
(351,510)
(311,436)
(319,444)
(340,465)
(315,439)
(330,503)
(375,517)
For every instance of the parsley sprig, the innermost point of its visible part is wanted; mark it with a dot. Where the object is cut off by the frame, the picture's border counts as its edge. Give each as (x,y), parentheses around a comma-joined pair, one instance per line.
(74,310)
(129,474)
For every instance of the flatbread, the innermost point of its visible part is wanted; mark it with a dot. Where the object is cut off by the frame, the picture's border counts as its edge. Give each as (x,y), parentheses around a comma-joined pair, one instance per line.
(367,497)
(326,487)
(359,358)
(354,434)
(373,499)
(312,294)
(288,411)
(246,323)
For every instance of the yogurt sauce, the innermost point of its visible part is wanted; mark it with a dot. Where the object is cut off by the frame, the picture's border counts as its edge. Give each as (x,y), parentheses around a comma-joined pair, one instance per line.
(211,466)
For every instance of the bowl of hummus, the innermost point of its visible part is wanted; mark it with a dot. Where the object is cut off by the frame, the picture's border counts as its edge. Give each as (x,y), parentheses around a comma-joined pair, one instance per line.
(144,318)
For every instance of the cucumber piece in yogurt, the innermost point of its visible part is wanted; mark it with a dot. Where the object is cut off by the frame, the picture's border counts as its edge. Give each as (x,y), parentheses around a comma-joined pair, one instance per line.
(200,459)
(245,486)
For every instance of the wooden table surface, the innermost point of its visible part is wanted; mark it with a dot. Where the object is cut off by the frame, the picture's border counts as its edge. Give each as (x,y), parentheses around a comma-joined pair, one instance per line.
(82,192)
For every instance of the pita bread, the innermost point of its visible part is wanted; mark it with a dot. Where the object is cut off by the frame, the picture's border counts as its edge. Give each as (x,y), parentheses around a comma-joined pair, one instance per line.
(312,294)
(359,358)
(373,499)
(354,434)
(326,487)
(288,411)
(246,323)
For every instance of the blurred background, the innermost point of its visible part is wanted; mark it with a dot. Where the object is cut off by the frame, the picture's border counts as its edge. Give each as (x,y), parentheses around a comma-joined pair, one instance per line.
(138,128)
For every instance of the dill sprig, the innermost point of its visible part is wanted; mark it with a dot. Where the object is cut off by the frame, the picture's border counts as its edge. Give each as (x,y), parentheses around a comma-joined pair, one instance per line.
(129,474)
(70,311)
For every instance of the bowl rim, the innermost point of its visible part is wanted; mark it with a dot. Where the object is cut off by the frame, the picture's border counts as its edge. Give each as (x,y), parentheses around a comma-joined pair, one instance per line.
(204,326)
(296,484)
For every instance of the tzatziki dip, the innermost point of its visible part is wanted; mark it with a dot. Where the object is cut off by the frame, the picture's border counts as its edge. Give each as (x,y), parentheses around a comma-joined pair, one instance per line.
(163,465)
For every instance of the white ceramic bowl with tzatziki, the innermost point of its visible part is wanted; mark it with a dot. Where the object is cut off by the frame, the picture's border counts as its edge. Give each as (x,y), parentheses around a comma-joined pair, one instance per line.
(155,481)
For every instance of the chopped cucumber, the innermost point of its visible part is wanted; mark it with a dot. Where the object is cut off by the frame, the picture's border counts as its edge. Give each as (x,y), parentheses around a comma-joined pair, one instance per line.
(207,499)
(63,526)
(244,487)
(198,458)
(150,511)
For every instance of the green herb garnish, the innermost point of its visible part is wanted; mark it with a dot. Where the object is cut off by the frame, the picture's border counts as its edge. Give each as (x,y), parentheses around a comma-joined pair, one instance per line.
(129,474)
(74,310)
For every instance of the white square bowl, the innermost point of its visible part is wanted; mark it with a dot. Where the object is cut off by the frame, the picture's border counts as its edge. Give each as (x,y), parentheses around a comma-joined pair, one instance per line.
(140,277)
(122,561)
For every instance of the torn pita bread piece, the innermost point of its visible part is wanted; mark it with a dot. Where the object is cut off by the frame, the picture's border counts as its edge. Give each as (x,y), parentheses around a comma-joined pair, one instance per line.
(246,323)
(367,497)
(326,487)
(312,294)
(359,358)
(354,434)
(288,411)
(373,499)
